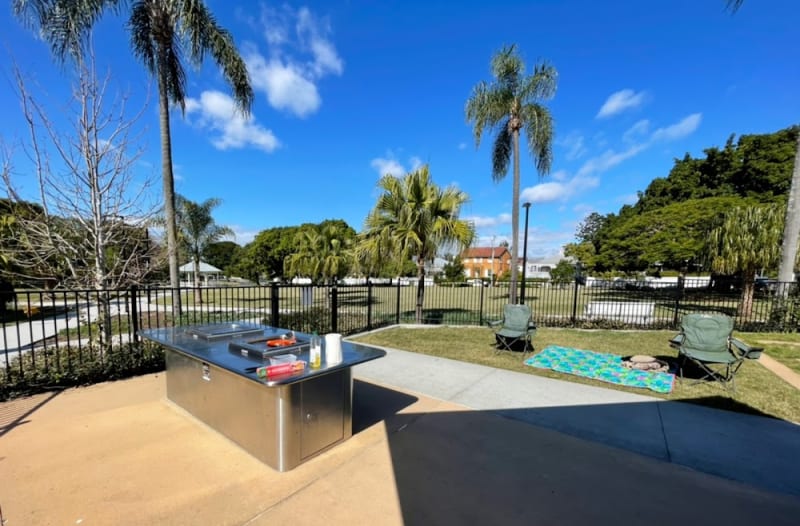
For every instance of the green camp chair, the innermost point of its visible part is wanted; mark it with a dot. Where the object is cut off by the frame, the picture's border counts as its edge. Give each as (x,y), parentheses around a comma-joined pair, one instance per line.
(514,329)
(706,340)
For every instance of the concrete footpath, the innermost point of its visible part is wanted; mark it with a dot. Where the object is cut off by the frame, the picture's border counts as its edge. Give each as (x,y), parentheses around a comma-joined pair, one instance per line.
(435,442)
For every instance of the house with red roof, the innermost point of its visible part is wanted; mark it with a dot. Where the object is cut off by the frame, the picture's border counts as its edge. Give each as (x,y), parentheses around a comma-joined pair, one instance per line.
(485,262)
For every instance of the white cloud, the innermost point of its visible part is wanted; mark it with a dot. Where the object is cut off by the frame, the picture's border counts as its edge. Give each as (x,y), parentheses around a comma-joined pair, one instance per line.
(242,235)
(679,130)
(462,146)
(560,175)
(301,53)
(217,111)
(637,131)
(558,190)
(609,159)
(574,144)
(387,167)
(284,84)
(313,34)
(489,221)
(620,101)
(391,165)
(544,192)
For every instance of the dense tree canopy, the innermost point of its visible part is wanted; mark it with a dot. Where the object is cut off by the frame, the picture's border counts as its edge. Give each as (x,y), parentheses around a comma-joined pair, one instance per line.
(265,255)
(672,218)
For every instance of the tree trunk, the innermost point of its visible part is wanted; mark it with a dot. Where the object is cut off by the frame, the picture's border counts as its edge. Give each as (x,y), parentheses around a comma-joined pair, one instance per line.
(420,289)
(196,261)
(169,193)
(748,289)
(791,230)
(512,295)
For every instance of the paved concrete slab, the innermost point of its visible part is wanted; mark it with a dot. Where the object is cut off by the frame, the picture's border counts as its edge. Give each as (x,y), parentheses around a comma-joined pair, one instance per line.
(119,453)
(760,451)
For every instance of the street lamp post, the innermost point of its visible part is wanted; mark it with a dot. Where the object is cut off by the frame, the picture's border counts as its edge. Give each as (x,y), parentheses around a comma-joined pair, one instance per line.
(491,274)
(525,252)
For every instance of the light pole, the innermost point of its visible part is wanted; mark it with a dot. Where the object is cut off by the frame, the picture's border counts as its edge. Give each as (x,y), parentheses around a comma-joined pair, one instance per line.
(491,276)
(525,251)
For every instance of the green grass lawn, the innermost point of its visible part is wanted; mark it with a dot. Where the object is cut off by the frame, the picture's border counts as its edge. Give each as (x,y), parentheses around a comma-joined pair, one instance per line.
(758,391)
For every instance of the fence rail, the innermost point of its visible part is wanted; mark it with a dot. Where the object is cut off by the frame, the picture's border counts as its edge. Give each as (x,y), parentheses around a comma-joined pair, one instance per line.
(41,326)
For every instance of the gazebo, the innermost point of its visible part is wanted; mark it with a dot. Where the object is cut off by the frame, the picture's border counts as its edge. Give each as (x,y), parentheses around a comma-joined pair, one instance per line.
(207,273)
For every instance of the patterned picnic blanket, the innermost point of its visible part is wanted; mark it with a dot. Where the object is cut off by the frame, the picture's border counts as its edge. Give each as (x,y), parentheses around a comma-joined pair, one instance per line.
(599,366)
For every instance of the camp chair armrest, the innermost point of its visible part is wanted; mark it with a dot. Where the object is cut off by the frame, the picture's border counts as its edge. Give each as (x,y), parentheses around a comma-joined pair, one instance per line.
(676,341)
(496,323)
(746,351)
(532,326)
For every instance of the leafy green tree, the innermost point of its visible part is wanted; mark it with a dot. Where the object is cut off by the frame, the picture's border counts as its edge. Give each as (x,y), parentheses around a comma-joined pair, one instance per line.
(791,232)
(507,106)
(415,218)
(563,272)
(583,252)
(198,229)
(162,32)
(453,270)
(322,253)
(669,223)
(221,254)
(746,240)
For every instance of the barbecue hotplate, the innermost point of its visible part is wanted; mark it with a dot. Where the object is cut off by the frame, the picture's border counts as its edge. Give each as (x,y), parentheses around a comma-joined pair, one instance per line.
(224,330)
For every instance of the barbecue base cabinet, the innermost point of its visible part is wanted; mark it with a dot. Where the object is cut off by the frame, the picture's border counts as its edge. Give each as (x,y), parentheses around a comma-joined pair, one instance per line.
(282,421)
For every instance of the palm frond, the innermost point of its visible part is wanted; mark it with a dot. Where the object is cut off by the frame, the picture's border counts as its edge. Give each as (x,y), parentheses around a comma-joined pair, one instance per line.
(64,24)
(538,125)
(734,5)
(204,34)
(501,152)
(541,85)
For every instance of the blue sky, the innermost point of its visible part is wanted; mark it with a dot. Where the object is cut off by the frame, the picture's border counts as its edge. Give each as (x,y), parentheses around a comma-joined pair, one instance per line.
(349,90)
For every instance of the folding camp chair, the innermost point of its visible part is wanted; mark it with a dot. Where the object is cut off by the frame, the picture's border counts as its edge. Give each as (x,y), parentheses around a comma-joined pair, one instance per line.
(707,341)
(515,329)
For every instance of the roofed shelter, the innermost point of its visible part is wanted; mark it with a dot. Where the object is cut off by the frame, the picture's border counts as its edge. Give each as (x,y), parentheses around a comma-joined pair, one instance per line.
(207,273)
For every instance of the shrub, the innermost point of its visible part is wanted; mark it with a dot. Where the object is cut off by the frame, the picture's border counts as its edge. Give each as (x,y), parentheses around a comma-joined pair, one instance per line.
(51,368)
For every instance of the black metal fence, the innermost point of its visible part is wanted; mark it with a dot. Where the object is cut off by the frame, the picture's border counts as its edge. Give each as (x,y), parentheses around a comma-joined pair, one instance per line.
(44,326)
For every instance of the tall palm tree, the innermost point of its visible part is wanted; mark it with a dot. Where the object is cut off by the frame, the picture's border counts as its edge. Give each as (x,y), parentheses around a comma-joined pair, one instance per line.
(416,217)
(161,31)
(746,240)
(508,105)
(791,231)
(198,230)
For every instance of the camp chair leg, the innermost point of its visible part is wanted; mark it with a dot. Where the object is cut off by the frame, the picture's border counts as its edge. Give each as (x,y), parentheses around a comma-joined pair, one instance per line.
(727,380)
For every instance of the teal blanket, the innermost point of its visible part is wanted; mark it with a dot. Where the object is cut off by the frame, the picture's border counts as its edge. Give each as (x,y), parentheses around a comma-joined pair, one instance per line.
(599,366)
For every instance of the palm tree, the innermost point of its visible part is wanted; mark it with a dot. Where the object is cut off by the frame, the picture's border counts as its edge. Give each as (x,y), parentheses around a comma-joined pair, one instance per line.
(791,231)
(324,254)
(161,31)
(197,230)
(746,240)
(509,105)
(415,217)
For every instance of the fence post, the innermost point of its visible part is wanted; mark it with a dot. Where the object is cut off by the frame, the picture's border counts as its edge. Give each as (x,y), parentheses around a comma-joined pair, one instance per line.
(678,296)
(575,303)
(397,307)
(334,309)
(274,304)
(134,313)
(480,310)
(369,304)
